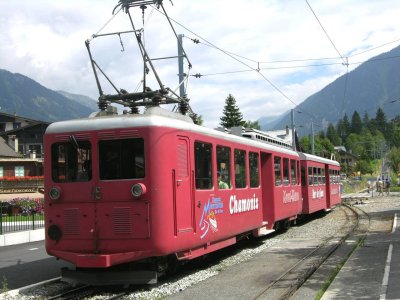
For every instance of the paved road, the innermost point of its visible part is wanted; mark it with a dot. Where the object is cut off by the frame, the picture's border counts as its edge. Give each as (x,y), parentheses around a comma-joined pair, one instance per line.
(25,264)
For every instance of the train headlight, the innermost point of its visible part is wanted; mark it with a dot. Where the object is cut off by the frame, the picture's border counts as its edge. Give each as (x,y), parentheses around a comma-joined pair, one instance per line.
(55,193)
(54,233)
(138,190)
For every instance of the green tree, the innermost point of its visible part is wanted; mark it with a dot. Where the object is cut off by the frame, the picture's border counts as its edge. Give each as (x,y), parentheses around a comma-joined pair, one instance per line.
(199,120)
(305,144)
(356,123)
(366,119)
(332,135)
(231,114)
(323,146)
(343,127)
(381,122)
(394,159)
(251,124)
(365,167)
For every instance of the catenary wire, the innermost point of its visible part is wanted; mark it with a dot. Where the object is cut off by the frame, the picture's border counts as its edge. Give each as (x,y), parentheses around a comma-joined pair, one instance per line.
(326,33)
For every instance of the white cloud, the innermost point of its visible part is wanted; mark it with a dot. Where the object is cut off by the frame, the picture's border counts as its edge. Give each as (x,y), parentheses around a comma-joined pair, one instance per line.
(45,40)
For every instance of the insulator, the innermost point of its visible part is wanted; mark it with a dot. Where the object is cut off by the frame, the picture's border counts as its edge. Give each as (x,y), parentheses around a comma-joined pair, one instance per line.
(183,107)
(102,104)
(156,99)
(134,109)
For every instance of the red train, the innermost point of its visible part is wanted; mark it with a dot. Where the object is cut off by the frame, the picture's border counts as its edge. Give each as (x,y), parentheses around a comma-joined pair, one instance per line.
(138,193)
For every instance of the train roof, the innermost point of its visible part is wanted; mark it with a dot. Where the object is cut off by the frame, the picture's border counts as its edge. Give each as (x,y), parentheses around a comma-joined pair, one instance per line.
(310,157)
(154,117)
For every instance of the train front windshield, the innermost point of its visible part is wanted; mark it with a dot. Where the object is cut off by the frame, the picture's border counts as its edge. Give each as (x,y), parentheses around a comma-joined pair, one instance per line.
(118,159)
(71,161)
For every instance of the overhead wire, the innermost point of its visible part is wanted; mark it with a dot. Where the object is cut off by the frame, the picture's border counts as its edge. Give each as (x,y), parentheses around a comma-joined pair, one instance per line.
(345,61)
(326,33)
(234,58)
(259,69)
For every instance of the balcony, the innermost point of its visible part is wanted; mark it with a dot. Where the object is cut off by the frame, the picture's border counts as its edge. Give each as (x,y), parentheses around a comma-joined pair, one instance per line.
(24,184)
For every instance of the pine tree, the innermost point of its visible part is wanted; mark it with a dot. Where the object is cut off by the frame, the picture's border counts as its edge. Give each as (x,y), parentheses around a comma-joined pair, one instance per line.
(332,135)
(231,115)
(380,120)
(356,123)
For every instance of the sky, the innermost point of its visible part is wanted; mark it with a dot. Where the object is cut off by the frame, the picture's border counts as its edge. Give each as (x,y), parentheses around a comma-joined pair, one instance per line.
(270,55)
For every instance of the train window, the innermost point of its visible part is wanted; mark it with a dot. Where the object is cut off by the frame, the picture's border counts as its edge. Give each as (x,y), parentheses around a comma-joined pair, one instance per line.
(254,171)
(203,169)
(298,171)
(240,168)
(293,172)
(277,168)
(286,171)
(303,176)
(224,165)
(71,161)
(323,176)
(315,176)
(121,159)
(310,176)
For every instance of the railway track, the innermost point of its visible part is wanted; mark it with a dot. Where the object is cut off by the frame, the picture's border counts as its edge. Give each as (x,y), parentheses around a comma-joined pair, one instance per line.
(286,285)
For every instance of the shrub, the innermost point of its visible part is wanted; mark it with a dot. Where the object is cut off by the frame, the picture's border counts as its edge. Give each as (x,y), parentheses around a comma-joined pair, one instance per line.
(27,205)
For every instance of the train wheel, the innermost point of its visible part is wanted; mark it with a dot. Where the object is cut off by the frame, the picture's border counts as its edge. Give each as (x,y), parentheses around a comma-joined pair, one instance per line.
(172,265)
(286,224)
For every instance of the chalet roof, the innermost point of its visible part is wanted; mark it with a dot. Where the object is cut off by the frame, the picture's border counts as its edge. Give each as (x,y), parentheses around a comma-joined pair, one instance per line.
(23,128)
(6,151)
(16,117)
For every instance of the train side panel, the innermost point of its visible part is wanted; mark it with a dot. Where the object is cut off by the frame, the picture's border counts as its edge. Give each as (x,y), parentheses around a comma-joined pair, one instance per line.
(281,187)
(334,193)
(319,185)
(128,188)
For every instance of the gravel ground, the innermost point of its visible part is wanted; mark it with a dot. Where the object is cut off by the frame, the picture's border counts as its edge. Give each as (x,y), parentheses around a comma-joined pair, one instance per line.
(321,227)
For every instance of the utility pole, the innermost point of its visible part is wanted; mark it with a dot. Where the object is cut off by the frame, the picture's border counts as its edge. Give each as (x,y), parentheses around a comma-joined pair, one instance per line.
(181,75)
(293,132)
(312,139)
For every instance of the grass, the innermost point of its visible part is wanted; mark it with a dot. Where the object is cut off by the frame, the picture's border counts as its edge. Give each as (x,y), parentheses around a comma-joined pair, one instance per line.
(334,273)
(4,285)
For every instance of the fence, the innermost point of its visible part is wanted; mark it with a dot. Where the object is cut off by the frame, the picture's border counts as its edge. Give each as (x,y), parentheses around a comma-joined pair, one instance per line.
(15,223)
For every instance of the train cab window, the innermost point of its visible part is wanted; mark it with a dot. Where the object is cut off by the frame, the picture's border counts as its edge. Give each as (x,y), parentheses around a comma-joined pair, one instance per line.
(310,176)
(240,168)
(286,171)
(121,159)
(293,172)
(277,170)
(254,171)
(71,161)
(224,166)
(203,165)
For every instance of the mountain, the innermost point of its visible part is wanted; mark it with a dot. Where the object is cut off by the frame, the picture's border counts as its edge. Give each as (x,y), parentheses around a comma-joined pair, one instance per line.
(373,84)
(81,99)
(25,97)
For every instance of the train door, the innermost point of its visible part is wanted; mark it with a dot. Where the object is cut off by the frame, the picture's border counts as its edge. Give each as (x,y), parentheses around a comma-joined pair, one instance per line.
(120,165)
(267,183)
(183,194)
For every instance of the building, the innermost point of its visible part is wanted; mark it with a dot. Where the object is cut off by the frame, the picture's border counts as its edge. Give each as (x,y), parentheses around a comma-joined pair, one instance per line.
(346,158)
(21,146)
